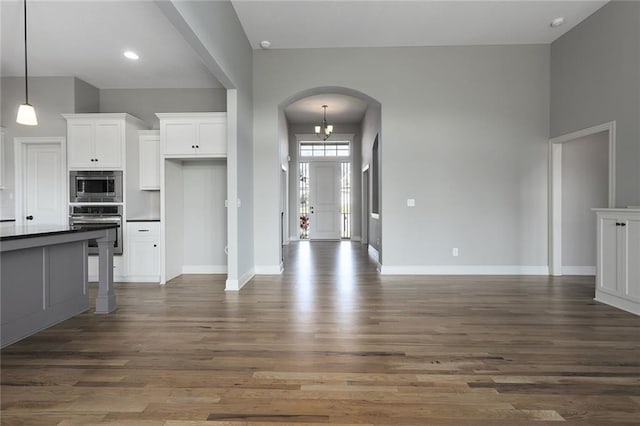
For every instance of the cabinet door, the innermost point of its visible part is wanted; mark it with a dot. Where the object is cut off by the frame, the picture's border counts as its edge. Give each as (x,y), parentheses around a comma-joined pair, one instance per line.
(212,137)
(80,147)
(149,162)
(143,259)
(179,138)
(143,251)
(632,259)
(609,255)
(108,144)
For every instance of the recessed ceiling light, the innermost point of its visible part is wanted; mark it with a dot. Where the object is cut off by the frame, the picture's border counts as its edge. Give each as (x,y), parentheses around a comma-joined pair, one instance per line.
(265,44)
(557,22)
(129,54)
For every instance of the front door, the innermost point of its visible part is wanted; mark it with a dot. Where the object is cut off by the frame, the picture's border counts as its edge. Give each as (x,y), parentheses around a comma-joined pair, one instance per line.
(324,197)
(42,184)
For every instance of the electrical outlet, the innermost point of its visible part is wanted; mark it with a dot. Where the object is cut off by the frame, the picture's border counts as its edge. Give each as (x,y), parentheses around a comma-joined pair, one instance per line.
(455,251)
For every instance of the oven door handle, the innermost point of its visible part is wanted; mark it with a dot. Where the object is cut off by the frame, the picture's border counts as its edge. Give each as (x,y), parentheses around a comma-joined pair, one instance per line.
(95,219)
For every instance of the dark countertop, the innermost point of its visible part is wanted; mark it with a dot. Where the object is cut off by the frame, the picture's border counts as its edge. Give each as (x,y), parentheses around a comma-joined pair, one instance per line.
(10,231)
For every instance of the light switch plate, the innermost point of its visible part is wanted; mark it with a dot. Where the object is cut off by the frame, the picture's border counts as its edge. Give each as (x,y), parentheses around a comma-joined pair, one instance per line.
(411,202)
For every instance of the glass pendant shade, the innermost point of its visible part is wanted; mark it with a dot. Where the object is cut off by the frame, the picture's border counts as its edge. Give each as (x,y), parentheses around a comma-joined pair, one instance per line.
(26,112)
(27,115)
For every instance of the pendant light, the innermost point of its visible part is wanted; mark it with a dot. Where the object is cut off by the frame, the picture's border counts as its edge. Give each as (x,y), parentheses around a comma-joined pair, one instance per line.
(26,112)
(324,130)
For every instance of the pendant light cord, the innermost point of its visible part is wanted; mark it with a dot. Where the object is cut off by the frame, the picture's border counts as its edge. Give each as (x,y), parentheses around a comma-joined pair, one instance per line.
(26,84)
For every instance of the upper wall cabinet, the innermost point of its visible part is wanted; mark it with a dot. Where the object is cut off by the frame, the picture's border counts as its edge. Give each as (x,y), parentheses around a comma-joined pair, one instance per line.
(193,134)
(149,156)
(98,141)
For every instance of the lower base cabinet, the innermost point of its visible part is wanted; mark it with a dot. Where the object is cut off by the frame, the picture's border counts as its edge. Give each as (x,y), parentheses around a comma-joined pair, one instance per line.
(143,251)
(618,264)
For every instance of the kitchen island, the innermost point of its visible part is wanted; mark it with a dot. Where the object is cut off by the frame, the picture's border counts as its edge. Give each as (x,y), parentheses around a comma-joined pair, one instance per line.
(43,276)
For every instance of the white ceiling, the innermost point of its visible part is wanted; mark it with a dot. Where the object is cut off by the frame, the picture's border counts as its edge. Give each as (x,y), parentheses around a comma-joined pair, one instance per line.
(319,24)
(86,39)
(341,109)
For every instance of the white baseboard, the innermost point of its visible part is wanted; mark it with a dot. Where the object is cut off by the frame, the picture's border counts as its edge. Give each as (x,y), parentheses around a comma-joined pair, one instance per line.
(463,270)
(236,285)
(269,269)
(356,238)
(204,269)
(618,302)
(151,279)
(579,270)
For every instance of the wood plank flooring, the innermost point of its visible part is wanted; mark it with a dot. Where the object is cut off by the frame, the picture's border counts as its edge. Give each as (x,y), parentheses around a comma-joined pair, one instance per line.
(331,341)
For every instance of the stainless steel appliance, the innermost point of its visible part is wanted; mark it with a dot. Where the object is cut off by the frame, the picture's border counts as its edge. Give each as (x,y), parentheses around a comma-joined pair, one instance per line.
(95,186)
(88,216)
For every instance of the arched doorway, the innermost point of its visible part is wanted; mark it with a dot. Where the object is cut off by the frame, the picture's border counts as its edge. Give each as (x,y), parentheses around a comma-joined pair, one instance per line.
(344,168)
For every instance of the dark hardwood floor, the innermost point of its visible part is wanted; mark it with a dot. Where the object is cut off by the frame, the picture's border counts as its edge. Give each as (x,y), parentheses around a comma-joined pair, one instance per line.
(331,341)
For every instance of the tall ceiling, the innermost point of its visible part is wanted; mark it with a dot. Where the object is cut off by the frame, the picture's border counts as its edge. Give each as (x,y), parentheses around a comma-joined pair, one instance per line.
(323,24)
(86,38)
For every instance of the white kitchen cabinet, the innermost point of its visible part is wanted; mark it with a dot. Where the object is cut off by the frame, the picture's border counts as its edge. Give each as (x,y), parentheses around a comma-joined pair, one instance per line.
(98,141)
(149,155)
(191,135)
(143,251)
(618,262)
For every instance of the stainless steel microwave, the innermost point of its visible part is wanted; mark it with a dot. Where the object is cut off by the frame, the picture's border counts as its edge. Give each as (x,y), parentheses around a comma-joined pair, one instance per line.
(95,186)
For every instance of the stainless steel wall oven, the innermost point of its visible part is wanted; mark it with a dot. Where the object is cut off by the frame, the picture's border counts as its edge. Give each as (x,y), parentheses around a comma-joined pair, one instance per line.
(88,216)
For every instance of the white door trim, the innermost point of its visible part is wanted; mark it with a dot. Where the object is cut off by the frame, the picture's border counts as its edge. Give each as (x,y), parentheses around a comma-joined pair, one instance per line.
(20,144)
(555,187)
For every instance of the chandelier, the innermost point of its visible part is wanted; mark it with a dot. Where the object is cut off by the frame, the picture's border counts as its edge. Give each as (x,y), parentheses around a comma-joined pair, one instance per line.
(324,130)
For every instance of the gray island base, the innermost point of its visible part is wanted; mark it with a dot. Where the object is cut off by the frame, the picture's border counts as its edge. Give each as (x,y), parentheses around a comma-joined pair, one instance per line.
(43,276)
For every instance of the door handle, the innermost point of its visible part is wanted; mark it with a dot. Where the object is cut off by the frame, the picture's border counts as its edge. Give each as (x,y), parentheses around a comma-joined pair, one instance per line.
(30,217)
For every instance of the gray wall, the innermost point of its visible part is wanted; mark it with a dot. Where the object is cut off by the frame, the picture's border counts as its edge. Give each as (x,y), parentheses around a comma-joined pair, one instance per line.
(214,31)
(205,217)
(86,97)
(585,177)
(371,129)
(50,96)
(464,131)
(595,71)
(144,103)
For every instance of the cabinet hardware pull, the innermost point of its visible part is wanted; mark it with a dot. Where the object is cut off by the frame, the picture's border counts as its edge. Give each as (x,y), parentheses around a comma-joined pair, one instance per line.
(197,146)
(155,245)
(623,224)
(30,217)
(193,146)
(143,230)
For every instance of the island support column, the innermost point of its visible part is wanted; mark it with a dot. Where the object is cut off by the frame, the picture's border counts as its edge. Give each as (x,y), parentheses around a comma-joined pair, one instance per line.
(106,299)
